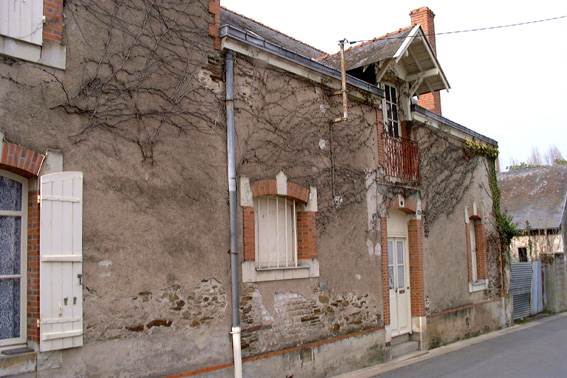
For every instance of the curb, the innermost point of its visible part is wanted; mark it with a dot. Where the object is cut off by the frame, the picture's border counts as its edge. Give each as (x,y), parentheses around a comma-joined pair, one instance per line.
(426,355)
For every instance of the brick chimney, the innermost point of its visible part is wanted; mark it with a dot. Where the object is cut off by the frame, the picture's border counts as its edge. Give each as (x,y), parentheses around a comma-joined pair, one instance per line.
(214,26)
(424,16)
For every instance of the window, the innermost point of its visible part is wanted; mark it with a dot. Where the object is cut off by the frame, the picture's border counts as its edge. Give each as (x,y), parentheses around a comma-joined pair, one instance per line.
(279,230)
(40,253)
(392,121)
(476,255)
(13,257)
(276,236)
(474,260)
(523,254)
(32,30)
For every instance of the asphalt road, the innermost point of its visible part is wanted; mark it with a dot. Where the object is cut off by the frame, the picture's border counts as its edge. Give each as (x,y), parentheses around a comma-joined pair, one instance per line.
(538,350)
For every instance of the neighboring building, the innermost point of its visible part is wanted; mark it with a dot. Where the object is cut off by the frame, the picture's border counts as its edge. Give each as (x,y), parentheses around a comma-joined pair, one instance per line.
(357,234)
(536,199)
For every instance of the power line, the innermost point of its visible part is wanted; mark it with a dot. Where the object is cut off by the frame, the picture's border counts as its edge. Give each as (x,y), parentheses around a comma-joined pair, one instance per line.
(502,26)
(475,30)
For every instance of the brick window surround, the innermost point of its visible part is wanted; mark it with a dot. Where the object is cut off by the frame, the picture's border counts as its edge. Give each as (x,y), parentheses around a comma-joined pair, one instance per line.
(27,163)
(306,228)
(474,226)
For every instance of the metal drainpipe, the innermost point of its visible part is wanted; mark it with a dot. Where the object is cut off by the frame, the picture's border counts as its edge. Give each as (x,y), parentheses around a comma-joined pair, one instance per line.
(343,79)
(236,346)
(343,82)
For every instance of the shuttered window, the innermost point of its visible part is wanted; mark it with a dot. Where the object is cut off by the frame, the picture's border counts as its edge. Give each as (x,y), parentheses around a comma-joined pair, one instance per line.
(61,299)
(276,238)
(22,20)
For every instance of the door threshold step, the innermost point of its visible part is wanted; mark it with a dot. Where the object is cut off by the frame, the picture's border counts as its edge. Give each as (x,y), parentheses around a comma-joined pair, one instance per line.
(404,348)
(410,356)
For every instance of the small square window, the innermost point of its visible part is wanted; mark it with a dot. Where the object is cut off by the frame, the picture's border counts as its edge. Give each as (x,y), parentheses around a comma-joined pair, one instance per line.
(523,254)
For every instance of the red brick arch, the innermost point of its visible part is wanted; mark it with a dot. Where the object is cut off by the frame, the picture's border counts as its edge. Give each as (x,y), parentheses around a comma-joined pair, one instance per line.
(21,160)
(471,214)
(270,187)
(406,205)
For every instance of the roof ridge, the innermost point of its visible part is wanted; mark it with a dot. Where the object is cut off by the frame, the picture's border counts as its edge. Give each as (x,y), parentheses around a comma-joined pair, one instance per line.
(269,27)
(369,41)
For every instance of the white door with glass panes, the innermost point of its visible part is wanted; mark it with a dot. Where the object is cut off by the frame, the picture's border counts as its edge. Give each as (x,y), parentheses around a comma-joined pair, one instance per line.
(398,268)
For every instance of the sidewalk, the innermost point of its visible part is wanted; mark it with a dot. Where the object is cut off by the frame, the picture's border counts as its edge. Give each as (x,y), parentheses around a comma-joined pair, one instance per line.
(425,355)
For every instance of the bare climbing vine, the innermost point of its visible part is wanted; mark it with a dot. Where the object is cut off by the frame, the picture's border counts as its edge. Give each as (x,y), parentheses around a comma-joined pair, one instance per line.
(447,173)
(289,128)
(153,72)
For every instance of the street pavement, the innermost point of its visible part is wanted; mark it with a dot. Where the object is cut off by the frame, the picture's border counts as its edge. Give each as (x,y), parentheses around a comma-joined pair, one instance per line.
(534,349)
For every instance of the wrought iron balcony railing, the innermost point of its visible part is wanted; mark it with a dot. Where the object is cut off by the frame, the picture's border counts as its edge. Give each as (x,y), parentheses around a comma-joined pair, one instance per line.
(401,158)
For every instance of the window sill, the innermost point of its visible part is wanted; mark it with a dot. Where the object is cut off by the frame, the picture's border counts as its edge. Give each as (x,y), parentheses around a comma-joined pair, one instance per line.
(51,54)
(282,268)
(478,286)
(19,363)
(306,269)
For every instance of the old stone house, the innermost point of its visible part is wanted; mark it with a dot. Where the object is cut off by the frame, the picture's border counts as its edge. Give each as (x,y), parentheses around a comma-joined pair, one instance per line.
(354,234)
(536,199)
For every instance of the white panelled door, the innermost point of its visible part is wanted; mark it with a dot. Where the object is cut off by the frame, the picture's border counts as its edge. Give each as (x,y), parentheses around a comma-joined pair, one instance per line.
(400,301)
(61,226)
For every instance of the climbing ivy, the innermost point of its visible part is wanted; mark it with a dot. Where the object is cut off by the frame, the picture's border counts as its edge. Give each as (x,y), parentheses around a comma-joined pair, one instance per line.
(506,228)
(504,223)
(486,150)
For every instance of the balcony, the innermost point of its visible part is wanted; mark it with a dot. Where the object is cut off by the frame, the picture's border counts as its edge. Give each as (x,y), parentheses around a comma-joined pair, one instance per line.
(401,158)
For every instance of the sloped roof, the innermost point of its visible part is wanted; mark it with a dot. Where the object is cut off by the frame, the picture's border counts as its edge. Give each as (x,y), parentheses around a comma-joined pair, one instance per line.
(536,195)
(249,25)
(457,126)
(372,51)
(409,47)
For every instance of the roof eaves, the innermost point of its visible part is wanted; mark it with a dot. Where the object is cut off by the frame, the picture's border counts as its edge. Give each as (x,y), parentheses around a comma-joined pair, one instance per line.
(367,42)
(455,125)
(268,27)
(564,213)
(405,44)
(228,31)
(434,55)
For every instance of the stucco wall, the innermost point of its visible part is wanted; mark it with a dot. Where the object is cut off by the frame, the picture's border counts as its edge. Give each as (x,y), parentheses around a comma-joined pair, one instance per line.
(283,124)
(148,134)
(448,327)
(140,111)
(454,181)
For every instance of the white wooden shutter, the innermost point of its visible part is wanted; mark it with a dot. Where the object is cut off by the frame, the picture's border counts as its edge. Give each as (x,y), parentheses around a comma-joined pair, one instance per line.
(22,19)
(61,226)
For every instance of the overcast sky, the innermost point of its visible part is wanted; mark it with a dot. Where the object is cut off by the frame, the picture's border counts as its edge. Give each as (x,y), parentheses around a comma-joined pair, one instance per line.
(506,83)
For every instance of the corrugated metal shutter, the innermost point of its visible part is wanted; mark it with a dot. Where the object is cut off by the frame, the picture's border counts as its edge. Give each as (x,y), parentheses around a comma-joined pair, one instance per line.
(22,19)
(520,288)
(61,225)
